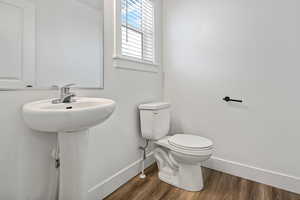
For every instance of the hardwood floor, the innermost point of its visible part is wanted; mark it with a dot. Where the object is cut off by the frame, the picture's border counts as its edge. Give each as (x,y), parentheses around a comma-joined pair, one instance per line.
(218,186)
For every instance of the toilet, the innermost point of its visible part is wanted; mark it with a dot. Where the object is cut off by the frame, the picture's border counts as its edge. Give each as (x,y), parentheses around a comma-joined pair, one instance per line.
(178,157)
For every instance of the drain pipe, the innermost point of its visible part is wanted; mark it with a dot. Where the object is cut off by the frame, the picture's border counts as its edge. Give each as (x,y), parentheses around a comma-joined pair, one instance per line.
(142,175)
(55,183)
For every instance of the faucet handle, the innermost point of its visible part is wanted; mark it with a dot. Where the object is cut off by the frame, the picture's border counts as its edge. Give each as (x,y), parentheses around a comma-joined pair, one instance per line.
(68,85)
(65,89)
(65,86)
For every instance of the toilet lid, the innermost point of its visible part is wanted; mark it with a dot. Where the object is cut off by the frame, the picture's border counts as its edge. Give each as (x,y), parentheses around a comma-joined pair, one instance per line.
(191,142)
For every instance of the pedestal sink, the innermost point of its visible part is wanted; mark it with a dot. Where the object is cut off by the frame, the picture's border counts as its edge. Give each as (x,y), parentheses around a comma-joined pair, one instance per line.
(72,122)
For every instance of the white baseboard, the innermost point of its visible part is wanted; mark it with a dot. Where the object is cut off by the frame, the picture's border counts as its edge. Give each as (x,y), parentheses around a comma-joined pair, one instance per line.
(112,183)
(275,179)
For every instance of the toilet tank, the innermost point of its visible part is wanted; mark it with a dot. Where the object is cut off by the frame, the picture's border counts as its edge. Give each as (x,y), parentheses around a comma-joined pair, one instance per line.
(155,120)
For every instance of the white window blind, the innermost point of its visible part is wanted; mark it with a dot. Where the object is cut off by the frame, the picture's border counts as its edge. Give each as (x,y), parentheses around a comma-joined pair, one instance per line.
(138,29)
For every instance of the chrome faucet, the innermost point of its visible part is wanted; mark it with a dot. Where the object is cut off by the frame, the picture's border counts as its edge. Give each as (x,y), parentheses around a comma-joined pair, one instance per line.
(65,95)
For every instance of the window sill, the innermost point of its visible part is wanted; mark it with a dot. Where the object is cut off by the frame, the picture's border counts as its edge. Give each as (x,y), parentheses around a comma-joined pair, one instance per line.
(134,65)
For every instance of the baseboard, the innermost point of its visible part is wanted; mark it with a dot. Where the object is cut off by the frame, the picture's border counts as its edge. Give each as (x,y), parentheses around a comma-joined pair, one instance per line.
(268,177)
(112,183)
(275,179)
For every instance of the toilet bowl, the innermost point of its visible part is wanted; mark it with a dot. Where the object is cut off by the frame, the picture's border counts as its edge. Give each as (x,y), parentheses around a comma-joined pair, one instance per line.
(180,165)
(179,156)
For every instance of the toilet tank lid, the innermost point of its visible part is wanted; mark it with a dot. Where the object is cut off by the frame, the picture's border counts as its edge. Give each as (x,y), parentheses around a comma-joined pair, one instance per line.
(154,106)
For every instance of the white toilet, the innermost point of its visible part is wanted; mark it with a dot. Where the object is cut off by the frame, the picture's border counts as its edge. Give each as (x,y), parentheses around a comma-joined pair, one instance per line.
(178,157)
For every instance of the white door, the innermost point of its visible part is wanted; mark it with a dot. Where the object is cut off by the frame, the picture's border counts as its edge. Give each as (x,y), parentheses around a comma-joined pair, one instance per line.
(17,44)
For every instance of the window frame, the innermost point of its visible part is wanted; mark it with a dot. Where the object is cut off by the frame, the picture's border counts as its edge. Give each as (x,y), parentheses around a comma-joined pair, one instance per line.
(131,63)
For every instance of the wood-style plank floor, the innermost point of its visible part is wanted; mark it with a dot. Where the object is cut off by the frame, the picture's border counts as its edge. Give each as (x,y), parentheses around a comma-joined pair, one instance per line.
(218,186)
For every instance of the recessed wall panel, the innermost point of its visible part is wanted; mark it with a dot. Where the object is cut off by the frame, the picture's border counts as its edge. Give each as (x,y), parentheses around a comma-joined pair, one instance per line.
(10,41)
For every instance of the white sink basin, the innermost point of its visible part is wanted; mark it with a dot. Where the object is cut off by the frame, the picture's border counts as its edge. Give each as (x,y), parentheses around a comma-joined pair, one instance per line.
(67,117)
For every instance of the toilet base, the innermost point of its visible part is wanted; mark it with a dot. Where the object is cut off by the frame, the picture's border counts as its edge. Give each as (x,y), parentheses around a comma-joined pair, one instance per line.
(188,177)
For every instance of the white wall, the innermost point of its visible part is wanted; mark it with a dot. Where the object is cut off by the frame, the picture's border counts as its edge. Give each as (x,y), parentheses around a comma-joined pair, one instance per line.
(25,154)
(244,49)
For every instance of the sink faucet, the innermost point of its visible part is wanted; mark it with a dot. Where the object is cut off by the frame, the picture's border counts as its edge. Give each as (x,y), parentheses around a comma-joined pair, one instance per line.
(65,95)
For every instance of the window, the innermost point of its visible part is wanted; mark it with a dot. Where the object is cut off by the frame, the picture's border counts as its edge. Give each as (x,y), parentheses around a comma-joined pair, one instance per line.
(137,30)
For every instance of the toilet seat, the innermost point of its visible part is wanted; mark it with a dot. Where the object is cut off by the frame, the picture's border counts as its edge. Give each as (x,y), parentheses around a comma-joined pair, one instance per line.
(190,142)
(192,150)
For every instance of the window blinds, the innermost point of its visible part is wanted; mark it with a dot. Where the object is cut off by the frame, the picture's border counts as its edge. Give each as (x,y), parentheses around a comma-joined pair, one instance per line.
(138,29)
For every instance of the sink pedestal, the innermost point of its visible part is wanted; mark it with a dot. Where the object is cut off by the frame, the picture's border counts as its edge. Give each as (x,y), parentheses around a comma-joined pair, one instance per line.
(73,151)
